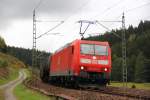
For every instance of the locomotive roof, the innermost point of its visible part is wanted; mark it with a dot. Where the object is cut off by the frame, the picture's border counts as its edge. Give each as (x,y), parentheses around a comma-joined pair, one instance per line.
(94,42)
(82,41)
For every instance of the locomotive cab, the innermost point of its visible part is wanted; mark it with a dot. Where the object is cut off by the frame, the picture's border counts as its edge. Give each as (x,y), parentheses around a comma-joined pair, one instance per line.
(94,62)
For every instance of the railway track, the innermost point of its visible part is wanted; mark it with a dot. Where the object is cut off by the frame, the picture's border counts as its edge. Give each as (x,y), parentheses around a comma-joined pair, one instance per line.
(120,91)
(90,93)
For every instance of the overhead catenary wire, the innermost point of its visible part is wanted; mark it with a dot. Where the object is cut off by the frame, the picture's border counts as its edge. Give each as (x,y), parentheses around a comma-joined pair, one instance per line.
(132,9)
(83,5)
(39,3)
(107,29)
(39,20)
(50,29)
(61,22)
(79,9)
(109,21)
(140,6)
(116,4)
(109,8)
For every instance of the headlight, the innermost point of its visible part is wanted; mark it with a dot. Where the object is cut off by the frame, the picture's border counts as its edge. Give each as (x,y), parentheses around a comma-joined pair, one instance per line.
(105,69)
(103,62)
(82,67)
(82,60)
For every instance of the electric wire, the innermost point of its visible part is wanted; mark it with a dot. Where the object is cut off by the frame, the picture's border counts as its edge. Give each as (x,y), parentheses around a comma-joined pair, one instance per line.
(131,10)
(107,29)
(39,20)
(37,6)
(51,29)
(146,4)
(62,22)
(79,9)
(109,8)
(125,11)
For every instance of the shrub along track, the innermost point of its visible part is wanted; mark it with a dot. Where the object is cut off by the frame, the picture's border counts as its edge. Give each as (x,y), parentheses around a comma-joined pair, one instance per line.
(108,93)
(4,72)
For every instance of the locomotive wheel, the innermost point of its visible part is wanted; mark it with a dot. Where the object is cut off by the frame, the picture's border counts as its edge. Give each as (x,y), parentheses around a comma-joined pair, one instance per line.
(44,74)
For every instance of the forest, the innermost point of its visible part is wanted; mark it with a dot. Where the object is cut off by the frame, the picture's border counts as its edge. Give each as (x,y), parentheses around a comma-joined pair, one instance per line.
(138,53)
(25,55)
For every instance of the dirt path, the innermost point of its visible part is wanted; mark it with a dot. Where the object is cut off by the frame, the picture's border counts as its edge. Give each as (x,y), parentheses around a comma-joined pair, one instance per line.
(8,88)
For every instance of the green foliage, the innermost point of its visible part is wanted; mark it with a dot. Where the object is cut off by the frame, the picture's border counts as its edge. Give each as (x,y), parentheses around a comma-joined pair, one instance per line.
(116,67)
(3,63)
(28,94)
(12,75)
(9,67)
(139,68)
(2,95)
(11,61)
(3,46)
(138,55)
(131,67)
(133,86)
(23,93)
(25,55)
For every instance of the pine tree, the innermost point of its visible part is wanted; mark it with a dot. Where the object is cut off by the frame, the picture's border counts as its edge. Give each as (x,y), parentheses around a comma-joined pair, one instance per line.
(116,74)
(139,68)
(2,45)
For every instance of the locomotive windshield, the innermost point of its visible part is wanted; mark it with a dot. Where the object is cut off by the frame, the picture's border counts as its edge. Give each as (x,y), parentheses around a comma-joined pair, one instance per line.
(93,49)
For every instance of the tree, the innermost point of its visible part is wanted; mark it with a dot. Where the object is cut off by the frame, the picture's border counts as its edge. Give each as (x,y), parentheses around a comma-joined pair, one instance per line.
(116,74)
(139,68)
(131,66)
(3,46)
(25,55)
(147,70)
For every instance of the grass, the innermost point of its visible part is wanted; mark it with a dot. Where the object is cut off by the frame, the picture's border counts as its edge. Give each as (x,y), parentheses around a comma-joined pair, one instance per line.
(11,61)
(13,74)
(9,67)
(12,65)
(28,72)
(23,93)
(130,84)
(1,95)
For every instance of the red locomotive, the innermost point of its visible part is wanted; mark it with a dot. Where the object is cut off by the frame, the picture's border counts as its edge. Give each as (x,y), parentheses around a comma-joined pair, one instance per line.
(80,61)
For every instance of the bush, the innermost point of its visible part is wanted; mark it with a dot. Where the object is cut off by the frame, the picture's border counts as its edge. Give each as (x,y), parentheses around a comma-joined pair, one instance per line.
(133,86)
(3,63)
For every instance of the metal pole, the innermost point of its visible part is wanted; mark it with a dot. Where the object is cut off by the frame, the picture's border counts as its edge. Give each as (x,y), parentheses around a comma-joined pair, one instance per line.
(34,42)
(124,65)
(82,22)
(81,31)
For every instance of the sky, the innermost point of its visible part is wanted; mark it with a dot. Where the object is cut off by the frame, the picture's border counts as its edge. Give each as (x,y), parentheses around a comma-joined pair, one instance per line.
(16,19)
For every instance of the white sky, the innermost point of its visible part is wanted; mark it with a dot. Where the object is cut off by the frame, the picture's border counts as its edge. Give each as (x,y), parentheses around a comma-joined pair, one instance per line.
(16,19)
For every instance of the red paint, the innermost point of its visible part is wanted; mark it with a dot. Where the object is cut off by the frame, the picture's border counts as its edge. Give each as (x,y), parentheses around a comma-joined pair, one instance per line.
(67,60)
